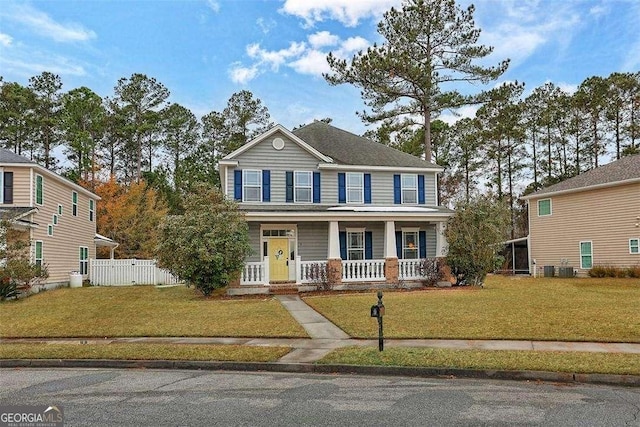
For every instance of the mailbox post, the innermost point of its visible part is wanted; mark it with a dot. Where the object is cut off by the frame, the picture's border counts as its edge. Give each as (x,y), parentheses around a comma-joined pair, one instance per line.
(377,310)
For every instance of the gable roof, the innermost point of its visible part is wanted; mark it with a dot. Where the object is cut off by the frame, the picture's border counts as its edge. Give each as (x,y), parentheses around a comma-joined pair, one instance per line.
(8,157)
(622,171)
(347,148)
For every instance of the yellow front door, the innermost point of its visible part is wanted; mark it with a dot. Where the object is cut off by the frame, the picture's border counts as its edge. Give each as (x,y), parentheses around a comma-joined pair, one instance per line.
(278,259)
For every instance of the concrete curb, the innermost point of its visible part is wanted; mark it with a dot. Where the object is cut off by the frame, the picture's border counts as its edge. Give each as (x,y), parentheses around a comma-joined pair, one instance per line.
(562,377)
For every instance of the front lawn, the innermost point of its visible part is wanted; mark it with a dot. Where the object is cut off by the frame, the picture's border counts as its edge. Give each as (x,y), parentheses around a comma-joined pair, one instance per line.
(143,311)
(506,308)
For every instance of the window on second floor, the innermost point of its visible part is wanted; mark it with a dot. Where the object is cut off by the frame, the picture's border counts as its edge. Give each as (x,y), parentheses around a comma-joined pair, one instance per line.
(303,186)
(6,187)
(39,190)
(91,209)
(409,188)
(544,207)
(251,186)
(74,204)
(355,187)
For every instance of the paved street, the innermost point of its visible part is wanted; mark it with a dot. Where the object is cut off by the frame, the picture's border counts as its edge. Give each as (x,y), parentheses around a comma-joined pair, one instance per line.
(103,397)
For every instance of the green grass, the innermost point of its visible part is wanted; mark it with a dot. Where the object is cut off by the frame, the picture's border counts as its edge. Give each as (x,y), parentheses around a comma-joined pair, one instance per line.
(130,351)
(573,362)
(506,308)
(143,311)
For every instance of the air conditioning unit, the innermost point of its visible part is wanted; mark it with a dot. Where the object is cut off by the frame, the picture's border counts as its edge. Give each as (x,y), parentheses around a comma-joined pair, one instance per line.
(565,272)
(549,271)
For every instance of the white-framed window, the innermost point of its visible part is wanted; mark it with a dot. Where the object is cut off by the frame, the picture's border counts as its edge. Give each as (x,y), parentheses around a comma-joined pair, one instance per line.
(303,186)
(74,203)
(409,188)
(410,243)
(251,186)
(355,187)
(91,209)
(39,253)
(59,209)
(39,190)
(84,260)
(355,244)
(50,230)
(586,254)
(544,207)
(54,219)
(634,246)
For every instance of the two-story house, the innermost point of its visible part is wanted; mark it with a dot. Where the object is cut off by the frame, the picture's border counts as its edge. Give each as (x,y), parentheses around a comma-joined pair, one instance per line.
(319,195)
(590,219)
(57,216)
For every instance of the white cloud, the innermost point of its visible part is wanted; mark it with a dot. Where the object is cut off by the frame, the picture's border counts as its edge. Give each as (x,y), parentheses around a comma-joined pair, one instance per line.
(5,40)
(323,38)
(275,58)
(351,46)
(34,66)
(266,25)
(214,5)
(348,12)
(313,62)
(242,75)
(44,25)
(569,88)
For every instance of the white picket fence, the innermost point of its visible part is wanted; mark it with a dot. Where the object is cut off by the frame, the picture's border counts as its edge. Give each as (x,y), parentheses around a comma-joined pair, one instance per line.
(369,270)
(127,272)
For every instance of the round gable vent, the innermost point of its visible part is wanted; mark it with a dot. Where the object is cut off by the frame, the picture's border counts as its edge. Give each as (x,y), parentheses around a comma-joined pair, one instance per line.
(278,143)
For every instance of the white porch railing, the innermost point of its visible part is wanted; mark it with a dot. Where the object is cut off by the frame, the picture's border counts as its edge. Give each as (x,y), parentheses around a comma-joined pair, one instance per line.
(311,271)
(409,269)
(127,272)
(363,270)
(255,273)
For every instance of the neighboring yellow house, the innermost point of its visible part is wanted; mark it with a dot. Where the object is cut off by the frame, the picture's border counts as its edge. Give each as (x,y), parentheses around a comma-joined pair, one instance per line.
(58,216)
(591,219)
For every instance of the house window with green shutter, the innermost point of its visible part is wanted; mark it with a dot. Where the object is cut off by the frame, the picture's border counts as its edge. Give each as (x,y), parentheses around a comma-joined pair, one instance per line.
(74,203)
(544,207)
(38,259)
(634,246)
(39,189)
(586,255)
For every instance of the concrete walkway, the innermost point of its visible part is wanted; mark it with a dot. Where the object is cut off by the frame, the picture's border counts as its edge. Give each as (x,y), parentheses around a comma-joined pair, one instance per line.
(326,337)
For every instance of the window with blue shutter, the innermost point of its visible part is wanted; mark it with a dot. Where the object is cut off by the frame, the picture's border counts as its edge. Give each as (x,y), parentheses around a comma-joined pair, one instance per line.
(397,190)
(266,186)
(367,188)
(289,185)
(237,185)
(399,244)
(342,188)
(422,240)
(421,189)
(368,245)
(316,187)
(343,245)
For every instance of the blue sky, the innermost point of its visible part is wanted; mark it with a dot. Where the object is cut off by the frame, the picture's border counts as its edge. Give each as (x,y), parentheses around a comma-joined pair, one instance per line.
(204,51)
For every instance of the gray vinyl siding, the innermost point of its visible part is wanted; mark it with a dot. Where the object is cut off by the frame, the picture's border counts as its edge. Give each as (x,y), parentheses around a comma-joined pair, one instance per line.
(294,158)
(313,241)
(254,241)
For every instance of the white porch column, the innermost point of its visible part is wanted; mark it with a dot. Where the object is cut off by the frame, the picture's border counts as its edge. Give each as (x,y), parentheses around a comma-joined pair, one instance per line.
(390,240)
(334,241)
(442,247)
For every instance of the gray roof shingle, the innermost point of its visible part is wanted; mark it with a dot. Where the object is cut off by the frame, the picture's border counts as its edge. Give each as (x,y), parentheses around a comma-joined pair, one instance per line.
(8,156)
(620,170)
(349,149)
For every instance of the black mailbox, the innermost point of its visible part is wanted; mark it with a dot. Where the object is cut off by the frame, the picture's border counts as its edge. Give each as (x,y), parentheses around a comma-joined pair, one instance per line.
(375,311)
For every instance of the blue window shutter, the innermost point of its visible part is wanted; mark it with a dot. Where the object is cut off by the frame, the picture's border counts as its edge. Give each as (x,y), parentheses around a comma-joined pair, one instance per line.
(237,185)
(343,244)
(421,189)
(266,186)
(367,188)
(399,244)
(368,245)
(397,190)
(316,187)
(342,188)
(289,184)
(422,244)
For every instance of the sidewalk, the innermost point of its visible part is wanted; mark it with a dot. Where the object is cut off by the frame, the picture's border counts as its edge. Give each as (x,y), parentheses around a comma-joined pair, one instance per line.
(326,337)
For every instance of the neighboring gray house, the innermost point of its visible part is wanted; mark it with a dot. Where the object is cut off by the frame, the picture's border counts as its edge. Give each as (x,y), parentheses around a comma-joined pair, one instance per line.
(591,219)
(320,196)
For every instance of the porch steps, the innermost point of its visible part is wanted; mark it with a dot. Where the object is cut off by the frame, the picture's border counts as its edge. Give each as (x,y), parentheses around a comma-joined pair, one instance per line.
(284,289)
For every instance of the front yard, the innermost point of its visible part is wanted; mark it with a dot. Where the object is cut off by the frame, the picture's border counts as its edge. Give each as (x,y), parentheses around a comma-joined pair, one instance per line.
(506,308)
(141,311)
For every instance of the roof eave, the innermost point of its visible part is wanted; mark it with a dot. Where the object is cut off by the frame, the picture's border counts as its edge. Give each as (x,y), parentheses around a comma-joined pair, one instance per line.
(580,189)
(340,166)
